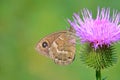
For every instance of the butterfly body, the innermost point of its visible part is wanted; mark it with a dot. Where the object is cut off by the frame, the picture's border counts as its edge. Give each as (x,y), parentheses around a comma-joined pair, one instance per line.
(59,46)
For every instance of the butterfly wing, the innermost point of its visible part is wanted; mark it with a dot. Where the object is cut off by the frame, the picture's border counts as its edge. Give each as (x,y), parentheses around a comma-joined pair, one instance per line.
(44,50)
(62,50)
(59,46)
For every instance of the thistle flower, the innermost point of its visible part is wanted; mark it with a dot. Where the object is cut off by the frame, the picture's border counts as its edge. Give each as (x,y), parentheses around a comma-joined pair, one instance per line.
(99,34)
(103,30)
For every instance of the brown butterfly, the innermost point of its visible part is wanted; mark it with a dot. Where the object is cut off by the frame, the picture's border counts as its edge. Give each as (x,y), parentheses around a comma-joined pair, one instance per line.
(59,46)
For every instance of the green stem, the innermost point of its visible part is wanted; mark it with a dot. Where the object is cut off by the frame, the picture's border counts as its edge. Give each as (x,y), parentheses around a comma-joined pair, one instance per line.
(98,74)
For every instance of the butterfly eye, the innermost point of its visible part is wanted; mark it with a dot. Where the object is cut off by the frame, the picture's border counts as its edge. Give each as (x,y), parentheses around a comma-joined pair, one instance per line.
(44,44)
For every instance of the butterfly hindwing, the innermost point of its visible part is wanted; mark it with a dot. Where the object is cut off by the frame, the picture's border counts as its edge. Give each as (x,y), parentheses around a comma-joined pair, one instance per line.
(62,50)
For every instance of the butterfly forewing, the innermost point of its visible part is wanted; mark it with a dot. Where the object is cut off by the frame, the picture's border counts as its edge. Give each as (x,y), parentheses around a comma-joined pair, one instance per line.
(49,40)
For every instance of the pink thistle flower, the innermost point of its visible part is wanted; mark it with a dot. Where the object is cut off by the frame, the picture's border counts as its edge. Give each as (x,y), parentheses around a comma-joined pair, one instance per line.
(103,30)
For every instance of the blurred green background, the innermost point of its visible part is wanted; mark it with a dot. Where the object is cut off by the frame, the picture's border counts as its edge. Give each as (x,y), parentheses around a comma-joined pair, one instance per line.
(24,22)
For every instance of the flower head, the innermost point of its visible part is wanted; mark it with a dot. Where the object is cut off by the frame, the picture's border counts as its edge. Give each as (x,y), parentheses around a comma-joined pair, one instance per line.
(103,30)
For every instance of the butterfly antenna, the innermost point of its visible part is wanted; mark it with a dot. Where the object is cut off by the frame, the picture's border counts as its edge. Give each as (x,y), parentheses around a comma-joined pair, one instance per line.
(42,33)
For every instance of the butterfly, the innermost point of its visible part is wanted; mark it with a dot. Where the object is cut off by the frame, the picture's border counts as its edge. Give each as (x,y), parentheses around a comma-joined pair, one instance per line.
(58,46)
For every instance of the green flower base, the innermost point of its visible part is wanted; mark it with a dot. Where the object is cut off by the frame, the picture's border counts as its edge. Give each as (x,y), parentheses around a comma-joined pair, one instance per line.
(99,58)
